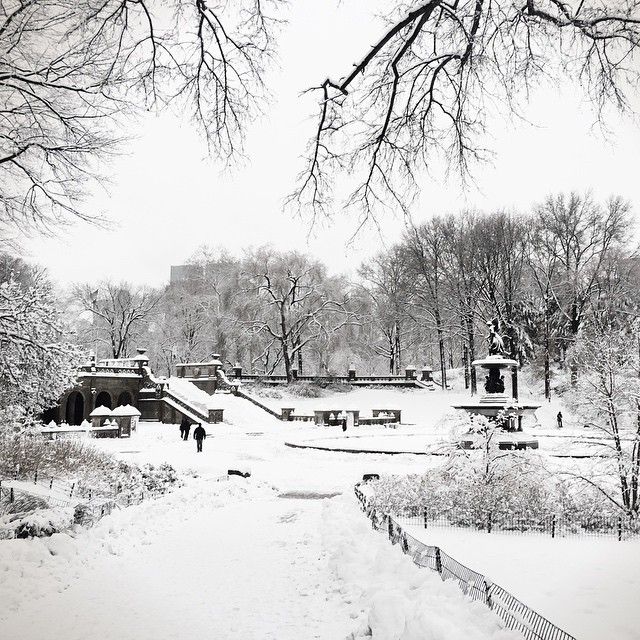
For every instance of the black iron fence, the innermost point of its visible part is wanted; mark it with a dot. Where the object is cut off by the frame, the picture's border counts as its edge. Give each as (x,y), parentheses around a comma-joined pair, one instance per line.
(514,614)
(622,527)
(21,496)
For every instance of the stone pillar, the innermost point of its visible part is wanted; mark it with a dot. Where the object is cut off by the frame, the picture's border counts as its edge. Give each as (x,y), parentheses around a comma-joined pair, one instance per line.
(294,373)
(514,382)
(351,374)
(217,363)
(286,414)
(426,375)
(410,372)
(237,371)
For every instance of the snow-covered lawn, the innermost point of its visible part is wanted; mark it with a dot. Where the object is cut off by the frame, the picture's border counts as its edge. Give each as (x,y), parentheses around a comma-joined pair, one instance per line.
(419,406)
(229,560)
(590,587)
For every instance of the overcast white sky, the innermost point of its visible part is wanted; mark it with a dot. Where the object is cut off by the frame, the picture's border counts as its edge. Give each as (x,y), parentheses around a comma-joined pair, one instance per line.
(166,198)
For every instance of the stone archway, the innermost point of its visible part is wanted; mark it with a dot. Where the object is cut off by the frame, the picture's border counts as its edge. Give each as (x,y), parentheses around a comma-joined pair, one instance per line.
(74,413)
(125,398)
(103,399)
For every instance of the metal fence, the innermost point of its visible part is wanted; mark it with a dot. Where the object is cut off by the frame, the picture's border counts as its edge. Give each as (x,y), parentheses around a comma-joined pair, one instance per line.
(89,504)
(514,614)
(552,525)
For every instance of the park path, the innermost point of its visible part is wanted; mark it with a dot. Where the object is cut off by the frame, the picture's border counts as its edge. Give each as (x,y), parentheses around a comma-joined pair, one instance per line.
(212,568)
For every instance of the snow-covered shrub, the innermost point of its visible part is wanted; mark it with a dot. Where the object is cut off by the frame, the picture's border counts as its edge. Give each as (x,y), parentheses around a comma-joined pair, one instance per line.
(80,463)
(39,523)
(37,364)
(159,479)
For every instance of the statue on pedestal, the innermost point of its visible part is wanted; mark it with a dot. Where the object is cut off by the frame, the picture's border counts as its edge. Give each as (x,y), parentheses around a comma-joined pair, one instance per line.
(496,343)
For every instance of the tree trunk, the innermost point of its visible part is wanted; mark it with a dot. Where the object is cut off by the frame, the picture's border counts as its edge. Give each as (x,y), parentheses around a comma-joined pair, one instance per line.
(397,348)
(547,362)
(472,352)
(286,358)
(284,340)
(443,362)
(465,365)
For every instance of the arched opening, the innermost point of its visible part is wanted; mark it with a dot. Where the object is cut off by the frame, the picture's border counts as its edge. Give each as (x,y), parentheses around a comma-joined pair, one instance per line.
(124,398)
(103,399)
(75,408)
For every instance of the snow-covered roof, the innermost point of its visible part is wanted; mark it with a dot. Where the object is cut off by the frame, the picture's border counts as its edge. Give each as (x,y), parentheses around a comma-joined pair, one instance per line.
(125,410)
(100,412)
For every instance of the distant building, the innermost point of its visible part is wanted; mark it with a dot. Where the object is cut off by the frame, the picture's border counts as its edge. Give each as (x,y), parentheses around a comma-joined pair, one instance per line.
(185,272)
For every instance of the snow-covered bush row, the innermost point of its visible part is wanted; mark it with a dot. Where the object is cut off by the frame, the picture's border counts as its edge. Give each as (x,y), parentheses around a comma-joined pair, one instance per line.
(487,482)
(458,495)
(298,389)
(79,473)
(78,462)
(38,523)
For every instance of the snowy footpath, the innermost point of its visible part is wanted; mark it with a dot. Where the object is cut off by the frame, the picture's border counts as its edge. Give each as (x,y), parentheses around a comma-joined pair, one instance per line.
(231,560)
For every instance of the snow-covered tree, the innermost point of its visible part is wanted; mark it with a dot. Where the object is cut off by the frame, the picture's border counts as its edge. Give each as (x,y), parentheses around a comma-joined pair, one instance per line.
(37,363)
(607,398)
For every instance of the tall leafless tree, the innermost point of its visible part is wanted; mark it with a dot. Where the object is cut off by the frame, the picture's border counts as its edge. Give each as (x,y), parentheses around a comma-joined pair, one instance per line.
(425,89)
(579,236)
(118,311)
(295,308)
(69,68)
(426,245)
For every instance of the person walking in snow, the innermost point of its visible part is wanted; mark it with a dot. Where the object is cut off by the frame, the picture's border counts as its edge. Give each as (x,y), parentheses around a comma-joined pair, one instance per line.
(559,419)
(199,434)
(187,428)
(184,426)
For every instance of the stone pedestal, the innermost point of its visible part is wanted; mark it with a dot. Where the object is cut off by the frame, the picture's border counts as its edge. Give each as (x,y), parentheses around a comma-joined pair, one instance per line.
(498,376)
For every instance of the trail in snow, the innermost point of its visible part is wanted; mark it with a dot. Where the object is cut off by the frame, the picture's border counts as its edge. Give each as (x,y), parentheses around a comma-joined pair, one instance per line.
(202,563)
(229,561)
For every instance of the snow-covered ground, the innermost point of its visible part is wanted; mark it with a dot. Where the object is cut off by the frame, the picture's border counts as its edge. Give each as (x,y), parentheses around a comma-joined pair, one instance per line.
(231,560)
(590,587)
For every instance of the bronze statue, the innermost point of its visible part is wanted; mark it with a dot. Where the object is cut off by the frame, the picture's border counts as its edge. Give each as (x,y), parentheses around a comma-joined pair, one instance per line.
(496,343)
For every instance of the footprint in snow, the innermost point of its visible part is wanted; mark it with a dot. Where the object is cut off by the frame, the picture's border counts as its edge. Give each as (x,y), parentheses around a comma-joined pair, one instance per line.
(292,516)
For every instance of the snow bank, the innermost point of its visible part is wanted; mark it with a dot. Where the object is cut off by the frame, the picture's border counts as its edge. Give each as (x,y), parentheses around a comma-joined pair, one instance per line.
(32,568)
(392,598)
(588,586)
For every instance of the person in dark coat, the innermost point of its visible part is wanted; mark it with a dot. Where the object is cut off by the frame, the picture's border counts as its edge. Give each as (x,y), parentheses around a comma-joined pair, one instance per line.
(559,419)
(187,429)
(184,426)
(199,434)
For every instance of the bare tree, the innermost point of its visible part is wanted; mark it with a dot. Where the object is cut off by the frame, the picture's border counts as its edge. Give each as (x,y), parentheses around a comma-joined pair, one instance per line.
(607,398)
(387,279)
(427,245)
(118,311)
(502,262)
(425,88)
(295,308)
(579,236)
(69,68)
(465,279)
